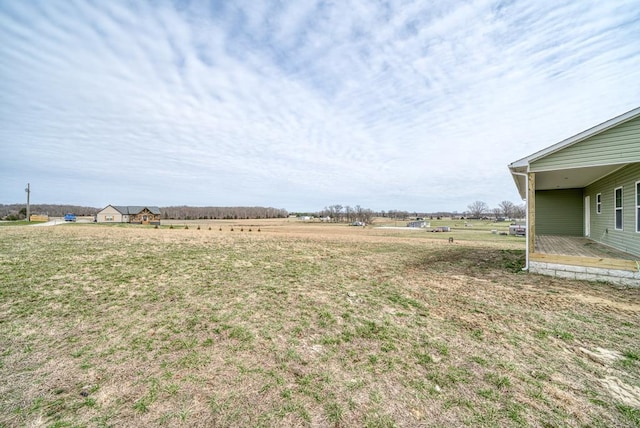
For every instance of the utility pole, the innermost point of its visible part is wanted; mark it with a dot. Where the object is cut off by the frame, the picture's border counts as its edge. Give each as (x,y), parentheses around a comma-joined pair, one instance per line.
(28,190)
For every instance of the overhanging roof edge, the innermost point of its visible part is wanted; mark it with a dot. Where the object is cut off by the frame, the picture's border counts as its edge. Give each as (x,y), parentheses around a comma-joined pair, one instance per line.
(631,114)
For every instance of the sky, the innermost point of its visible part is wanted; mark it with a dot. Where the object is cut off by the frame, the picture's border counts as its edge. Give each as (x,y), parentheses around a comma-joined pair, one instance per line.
(390,105)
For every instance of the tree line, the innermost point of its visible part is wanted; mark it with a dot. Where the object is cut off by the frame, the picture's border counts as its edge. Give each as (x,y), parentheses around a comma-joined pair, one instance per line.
(221,213)
(505,209)
(339,213)
(477,209)
(336,212)
(19,212)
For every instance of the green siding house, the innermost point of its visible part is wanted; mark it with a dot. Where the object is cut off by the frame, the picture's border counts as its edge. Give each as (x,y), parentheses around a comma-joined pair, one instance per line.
(586,186)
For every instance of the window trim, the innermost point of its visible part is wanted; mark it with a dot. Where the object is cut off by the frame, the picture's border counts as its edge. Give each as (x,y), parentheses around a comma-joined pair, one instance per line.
(616,208)
(598,203)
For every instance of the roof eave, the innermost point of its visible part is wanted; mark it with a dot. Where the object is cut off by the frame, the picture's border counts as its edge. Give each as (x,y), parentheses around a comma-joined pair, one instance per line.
(632,114)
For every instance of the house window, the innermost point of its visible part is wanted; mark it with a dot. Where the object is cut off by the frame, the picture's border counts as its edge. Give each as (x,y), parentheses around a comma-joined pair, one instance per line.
(108,218)
(618,208)
(637,206)
(599,203)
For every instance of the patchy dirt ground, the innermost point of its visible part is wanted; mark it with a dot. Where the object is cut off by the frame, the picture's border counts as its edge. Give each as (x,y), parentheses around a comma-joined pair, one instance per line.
(304,325)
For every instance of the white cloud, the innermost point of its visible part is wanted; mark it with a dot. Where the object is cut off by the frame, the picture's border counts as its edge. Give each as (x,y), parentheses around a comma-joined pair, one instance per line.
(408,105)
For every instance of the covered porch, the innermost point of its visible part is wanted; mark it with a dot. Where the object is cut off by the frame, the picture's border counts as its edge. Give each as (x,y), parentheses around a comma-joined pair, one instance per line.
(581,258)
(578,246)
(585,185)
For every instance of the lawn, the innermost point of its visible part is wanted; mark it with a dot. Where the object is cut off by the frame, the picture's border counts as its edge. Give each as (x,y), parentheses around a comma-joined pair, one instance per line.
(304,325)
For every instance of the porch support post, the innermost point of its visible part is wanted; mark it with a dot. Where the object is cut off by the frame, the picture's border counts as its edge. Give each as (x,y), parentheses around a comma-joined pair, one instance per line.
(531,212)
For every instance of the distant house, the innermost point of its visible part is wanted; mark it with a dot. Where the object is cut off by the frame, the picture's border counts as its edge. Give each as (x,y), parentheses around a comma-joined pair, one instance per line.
(129,214)
(584,193)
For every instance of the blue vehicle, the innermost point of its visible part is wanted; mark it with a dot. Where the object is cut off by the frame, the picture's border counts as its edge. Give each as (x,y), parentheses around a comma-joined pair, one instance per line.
(70,217)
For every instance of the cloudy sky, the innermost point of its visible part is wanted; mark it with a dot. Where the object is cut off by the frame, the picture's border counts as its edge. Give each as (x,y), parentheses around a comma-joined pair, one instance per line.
(412,105)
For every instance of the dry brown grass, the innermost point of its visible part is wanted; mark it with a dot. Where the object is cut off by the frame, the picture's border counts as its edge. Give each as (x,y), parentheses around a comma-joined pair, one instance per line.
(303,325)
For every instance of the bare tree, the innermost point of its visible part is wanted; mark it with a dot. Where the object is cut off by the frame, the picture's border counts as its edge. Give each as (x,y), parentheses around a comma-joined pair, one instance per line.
(366,216)
(477,209)
(349,214)
(337,209)
(335,212)
(507,208)
(358,210)
(519,211)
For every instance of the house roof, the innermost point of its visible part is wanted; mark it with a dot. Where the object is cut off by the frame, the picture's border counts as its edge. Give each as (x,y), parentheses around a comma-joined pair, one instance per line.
(133,209)
(571,177)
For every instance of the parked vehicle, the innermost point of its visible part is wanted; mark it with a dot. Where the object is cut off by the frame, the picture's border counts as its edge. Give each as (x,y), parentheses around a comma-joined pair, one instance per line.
(518,230)
(70,217)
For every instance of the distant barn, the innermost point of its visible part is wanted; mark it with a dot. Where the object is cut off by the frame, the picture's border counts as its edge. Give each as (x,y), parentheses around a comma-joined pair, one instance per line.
(129,214)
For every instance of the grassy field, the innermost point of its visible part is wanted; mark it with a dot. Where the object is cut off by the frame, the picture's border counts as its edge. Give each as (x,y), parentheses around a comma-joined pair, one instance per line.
(304,325)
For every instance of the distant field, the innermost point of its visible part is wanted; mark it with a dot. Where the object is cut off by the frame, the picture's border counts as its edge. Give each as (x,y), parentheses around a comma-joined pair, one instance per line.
(304,324)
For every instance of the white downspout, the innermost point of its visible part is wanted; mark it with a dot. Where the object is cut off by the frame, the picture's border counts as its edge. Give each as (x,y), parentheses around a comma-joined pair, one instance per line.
(526,216)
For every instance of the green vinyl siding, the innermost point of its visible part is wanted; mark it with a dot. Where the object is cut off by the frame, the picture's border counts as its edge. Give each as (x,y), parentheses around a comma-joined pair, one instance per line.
(559,212)
(618,145)
(603,225)
(638,206)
